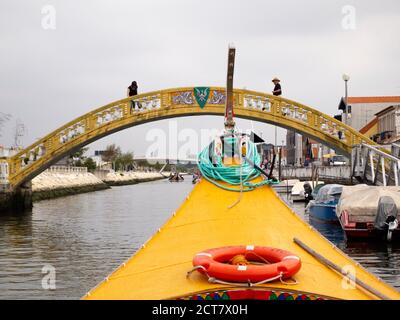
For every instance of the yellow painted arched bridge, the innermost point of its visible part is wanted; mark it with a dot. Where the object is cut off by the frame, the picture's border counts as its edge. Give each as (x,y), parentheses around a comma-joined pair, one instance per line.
(178,102)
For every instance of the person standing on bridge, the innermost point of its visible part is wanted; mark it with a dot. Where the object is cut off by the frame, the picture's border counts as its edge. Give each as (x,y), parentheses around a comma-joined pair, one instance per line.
(277,89)
(276,92)
(132,91)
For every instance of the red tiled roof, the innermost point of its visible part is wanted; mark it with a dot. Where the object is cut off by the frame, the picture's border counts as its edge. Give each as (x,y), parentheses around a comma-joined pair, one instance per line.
(387,99)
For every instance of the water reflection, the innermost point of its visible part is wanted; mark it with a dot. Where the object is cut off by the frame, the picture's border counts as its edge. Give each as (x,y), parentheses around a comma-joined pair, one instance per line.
(84,237)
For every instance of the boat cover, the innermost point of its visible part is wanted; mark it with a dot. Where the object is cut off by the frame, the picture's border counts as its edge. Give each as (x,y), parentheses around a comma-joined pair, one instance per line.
(361,201)
(386,209)
(327,193)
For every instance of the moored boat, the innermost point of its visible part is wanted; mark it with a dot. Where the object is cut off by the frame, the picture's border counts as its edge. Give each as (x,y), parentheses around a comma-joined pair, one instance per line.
(176,177)
(298,192)
(323,207)
(315,191)
(285,186)
(370,212)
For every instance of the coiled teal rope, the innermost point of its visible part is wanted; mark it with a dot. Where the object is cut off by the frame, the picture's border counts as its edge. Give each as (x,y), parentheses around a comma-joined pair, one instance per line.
(231,174)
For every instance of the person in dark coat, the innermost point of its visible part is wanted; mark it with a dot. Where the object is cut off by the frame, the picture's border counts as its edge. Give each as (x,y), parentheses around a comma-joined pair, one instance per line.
(307,192)
(277,89)
(132,91)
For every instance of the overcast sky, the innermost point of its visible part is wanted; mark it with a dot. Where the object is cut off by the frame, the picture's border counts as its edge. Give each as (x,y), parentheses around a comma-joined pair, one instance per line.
(49,77)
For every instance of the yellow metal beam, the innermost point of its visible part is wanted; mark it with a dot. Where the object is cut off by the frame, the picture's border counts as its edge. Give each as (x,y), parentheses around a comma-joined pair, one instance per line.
(178,102)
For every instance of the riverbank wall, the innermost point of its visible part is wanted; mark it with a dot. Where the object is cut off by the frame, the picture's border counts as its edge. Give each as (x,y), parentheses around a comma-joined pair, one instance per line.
(113,178)
(59,181)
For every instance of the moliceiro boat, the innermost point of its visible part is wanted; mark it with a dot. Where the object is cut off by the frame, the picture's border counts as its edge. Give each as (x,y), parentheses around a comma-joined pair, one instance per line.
(370,212)
(234,238)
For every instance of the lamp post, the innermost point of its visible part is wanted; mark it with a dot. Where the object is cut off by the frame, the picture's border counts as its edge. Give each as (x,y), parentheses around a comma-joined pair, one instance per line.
(346,78)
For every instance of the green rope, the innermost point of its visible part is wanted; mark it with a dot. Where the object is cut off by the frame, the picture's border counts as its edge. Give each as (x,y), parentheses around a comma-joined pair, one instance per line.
(235,174)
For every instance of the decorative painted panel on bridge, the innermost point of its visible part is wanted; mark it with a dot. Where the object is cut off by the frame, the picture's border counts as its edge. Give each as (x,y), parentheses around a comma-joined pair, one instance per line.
(201,95)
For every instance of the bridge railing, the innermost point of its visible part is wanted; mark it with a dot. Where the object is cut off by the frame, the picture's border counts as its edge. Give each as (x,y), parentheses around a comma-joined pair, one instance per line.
(178,102)
(374,164)
(298,113)
(67,169)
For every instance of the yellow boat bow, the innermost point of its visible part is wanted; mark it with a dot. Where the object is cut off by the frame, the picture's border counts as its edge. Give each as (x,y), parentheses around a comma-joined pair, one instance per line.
(159,269)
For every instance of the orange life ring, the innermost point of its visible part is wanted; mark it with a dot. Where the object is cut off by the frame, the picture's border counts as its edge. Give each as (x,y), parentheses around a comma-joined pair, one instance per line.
(213,262)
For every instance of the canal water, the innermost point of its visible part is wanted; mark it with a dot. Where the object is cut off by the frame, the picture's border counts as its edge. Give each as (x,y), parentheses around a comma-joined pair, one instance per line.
(83,238)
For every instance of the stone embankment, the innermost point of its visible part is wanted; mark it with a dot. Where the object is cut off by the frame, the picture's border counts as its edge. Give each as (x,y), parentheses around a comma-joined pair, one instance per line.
(61,181)
(113,178)
(58,181)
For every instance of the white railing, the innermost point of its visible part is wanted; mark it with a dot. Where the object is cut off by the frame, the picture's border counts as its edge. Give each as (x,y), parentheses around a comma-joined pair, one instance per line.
(67,169)
(375,164)
(4,172)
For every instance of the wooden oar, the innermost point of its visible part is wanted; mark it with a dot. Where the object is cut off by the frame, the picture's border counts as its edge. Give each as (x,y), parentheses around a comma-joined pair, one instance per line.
(337,268)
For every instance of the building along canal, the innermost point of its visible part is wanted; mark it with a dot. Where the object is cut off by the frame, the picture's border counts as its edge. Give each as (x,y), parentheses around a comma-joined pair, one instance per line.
(85,237)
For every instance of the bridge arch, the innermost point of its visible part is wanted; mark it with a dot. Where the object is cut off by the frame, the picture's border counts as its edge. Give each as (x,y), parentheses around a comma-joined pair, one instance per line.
(172,103)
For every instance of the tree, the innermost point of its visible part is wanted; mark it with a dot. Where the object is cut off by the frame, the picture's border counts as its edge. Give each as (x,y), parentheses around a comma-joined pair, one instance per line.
(123,161)
(80,154)
(90,164)
(142,163)
(77,163)
(157,166)
(111,153)
(77,158)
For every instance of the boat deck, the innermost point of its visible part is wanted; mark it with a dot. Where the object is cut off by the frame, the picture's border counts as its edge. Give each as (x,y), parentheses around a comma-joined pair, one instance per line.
(158,270)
